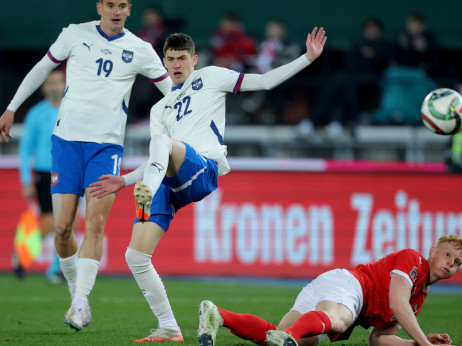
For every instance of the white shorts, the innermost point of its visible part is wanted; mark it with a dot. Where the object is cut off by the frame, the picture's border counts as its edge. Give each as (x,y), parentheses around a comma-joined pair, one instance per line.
(338,285)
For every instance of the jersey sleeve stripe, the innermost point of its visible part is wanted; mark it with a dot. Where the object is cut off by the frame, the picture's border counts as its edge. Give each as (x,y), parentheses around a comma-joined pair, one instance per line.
(124,107)
(161,78)
(52,58)
(237,87)
(404,275)
(216,132)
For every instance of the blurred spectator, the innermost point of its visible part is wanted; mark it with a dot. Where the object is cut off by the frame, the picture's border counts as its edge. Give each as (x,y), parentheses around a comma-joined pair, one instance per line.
(416,46)
(231,46)
(353,92)
(274,51)
(154,29)
(406,83)
(369,57)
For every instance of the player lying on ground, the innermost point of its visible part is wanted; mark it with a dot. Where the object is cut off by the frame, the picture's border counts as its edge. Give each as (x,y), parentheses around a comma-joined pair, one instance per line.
(186,156)
(387,295)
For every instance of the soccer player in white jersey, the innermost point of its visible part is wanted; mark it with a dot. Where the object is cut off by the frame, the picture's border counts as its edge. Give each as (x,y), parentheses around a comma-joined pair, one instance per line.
(103,59)
(187,154)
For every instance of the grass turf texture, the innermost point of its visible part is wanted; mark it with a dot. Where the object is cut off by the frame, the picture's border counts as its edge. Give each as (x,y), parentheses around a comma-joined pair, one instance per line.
(32,311)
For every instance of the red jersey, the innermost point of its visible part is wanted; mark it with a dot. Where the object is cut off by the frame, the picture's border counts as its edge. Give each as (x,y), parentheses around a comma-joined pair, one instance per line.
(375,282)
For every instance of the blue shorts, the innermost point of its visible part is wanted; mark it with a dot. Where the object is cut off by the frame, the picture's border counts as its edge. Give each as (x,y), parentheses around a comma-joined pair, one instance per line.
(75,165)
(196,179)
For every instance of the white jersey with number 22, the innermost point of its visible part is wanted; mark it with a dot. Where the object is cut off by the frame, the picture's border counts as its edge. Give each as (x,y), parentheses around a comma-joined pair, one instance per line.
(194,112)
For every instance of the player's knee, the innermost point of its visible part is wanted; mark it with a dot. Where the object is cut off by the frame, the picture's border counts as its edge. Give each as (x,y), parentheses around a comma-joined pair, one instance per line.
(63,231)
(94,226)
(338,324)
(137,262)
(130,257)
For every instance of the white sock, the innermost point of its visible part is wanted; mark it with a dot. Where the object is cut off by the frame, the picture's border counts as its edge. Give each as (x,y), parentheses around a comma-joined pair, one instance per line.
(152,287)
(160,149)
(87,269)
(69,269)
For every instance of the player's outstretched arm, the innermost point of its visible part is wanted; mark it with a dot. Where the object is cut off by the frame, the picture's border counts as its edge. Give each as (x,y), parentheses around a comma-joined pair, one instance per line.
(6,121)
(315,42)
(110,183)
(31,82)
(388,337)
(399,296)
(314,46)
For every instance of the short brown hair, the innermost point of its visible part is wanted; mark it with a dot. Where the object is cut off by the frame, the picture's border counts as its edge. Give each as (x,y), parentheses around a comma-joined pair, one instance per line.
(450,238)
(101,1)
(180,41)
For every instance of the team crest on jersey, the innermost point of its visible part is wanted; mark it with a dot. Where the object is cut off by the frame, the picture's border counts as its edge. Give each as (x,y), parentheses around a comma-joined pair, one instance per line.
(197,84)
(54,179)
(127,56)
(413,274)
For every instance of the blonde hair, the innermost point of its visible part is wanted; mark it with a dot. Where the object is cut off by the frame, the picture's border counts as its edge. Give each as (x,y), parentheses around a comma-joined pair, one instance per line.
(450,238)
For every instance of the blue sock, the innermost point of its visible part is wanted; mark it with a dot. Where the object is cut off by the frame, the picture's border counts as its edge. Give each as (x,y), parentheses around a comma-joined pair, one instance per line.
(54,267)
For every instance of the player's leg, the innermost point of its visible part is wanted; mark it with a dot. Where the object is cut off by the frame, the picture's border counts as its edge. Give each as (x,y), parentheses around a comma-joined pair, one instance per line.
(328,304)
(306,301)
(145,238)
(64,210)
(328,317)
(42,187)
(210,321)
(340,316)
(87,264)
(96,214)
(245,326)
(97,210)
(166,156)
(289,319)
(66,188)
(47,222)
(65,195)
(195,178)
(88,161)
(97,159)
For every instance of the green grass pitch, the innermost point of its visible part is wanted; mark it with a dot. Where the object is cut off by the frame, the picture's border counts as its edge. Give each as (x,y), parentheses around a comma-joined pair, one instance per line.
(32,311)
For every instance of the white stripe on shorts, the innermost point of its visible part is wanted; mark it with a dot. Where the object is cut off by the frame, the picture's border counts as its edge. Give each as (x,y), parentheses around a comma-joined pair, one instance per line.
(189,182)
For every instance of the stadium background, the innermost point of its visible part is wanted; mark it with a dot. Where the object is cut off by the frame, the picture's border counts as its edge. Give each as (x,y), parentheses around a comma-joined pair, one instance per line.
(27,29)
(265,224)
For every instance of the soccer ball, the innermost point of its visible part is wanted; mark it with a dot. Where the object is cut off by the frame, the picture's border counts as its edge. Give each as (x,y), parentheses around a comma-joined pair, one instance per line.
(441,111)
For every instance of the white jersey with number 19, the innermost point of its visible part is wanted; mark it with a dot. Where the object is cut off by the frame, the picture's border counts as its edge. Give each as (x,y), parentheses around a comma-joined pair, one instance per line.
(194,112)
(100,73)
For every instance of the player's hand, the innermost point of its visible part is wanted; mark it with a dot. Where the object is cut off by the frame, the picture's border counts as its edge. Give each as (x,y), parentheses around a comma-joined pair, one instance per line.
(108,183)
(29,192)
(6,121)
(315,43)
(439,339)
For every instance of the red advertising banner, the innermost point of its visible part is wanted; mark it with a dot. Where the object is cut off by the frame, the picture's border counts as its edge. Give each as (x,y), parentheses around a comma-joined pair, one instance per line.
(279,224)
